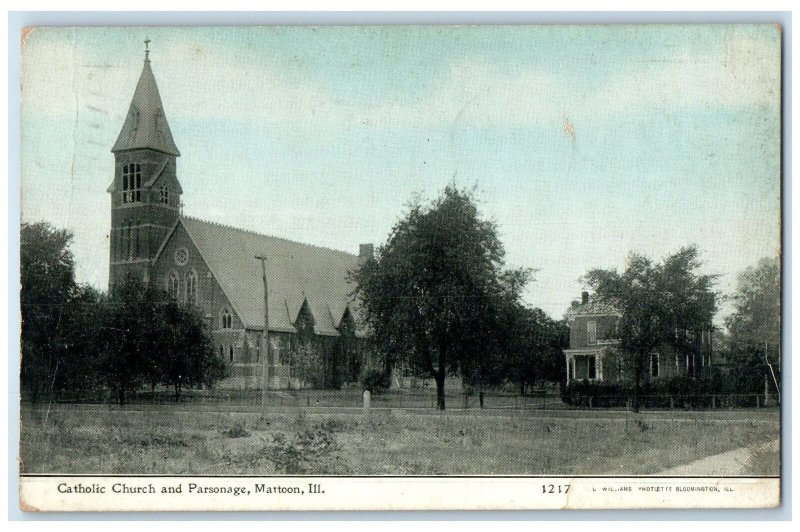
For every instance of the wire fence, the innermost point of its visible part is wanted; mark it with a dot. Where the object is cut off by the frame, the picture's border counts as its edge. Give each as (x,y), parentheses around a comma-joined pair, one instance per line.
(407,399)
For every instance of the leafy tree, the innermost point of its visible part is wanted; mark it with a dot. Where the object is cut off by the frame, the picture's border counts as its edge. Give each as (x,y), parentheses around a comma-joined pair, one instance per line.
(307,363)
(126,351)
(430,293)
(754,327)
(151,339)
(178,338)
(534,347)
(75,338)
(47,270)
(656,301)
(80,329)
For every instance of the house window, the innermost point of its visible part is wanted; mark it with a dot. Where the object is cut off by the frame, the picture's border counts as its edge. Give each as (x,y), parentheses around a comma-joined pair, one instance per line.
(591,332)
(131,183)
(592,367)
(191,288)
(227,320)
(163,195)
(690,364)
(221,352)
(172,285)
(654,365)
(230,352)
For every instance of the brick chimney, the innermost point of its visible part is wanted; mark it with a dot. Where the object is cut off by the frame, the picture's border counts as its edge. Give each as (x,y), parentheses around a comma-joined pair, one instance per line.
(584,298)
(365,251)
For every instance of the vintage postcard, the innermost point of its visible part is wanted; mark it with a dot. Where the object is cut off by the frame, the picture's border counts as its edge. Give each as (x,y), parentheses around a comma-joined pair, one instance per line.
(400,267)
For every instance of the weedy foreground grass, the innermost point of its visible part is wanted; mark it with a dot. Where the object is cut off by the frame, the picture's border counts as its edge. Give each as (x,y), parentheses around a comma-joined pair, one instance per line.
(107,440)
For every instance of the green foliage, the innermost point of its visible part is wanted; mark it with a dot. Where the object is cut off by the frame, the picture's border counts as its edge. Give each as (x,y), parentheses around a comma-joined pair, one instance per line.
(531,347)
(707,391)
(311,450)
(656,301)
(375,380)
(754,327)
(348,355)
(430,289)
(307,363)
(756,319)
(47,270)
(596,394)
(151,339)
(75,338)
(237,430)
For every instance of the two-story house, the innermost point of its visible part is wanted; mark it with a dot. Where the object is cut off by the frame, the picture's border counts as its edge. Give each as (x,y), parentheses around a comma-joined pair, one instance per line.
(593,352)
(592,335)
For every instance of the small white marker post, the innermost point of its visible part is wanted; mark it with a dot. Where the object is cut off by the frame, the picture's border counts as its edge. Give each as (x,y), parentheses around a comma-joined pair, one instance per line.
(367,400)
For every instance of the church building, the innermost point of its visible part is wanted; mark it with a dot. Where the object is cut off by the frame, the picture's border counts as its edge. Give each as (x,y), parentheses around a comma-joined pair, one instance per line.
(314,334)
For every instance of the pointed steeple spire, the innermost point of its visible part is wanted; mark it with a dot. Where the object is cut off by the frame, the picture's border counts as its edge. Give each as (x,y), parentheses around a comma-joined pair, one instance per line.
(146,124)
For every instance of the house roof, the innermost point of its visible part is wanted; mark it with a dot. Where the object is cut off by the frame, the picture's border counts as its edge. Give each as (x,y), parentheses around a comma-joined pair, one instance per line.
(295,273)
(592,308)
(146,124)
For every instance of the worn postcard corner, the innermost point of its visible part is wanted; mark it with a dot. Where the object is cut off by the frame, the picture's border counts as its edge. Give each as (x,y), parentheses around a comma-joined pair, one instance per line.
(400,268)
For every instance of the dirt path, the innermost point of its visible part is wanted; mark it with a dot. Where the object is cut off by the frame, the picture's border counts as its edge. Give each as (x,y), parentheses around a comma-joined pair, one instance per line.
(729,464)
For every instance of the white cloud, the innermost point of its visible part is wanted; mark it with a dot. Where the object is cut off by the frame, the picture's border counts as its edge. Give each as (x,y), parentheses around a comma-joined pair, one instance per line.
(199,81)
(744,73)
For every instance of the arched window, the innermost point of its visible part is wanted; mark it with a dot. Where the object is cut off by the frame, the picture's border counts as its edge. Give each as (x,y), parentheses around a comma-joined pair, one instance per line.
(173,285)
(163,194)
(131,183)
(230,352)
(227,320)
(191,287)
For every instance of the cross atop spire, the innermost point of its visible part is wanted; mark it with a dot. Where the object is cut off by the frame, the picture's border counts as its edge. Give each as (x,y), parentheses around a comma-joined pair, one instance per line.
(147,49)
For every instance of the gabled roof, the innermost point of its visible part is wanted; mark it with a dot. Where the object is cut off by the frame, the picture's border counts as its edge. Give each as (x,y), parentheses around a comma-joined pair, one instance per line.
(592,308)
(146,124)
(295,273)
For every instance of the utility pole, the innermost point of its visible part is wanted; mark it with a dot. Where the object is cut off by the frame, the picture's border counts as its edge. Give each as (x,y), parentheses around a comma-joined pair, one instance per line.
(265,355)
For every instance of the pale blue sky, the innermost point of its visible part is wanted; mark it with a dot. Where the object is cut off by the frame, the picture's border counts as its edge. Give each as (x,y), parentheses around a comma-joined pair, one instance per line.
(322,135)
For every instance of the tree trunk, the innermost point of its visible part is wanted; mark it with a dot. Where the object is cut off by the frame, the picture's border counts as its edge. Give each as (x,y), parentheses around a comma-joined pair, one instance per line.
(121,395)
(637,380)
(177,392)
(440,374)
(440,389)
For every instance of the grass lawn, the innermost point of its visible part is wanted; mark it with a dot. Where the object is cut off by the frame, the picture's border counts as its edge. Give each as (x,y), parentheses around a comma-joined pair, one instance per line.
(182,439)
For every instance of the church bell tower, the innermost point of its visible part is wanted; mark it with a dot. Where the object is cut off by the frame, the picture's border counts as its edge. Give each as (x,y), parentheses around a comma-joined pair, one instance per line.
(145,194)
